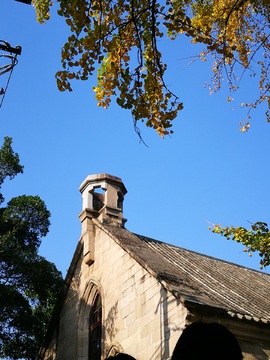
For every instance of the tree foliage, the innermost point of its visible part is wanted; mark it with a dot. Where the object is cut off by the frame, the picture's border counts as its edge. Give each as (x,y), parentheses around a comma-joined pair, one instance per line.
(257,238)
(29,284)
(121,38)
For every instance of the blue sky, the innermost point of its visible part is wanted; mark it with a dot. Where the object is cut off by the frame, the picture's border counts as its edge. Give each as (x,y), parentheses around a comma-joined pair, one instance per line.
(208,169)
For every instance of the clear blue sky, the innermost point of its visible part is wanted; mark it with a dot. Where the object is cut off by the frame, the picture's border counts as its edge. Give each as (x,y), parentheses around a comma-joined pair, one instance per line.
(207,169)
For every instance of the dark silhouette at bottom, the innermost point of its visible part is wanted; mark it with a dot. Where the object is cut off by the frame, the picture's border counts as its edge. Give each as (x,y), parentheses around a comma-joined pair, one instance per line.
(207,341)
(121,356)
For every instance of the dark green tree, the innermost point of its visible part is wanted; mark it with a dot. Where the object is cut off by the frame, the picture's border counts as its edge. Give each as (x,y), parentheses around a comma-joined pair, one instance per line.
(29,284)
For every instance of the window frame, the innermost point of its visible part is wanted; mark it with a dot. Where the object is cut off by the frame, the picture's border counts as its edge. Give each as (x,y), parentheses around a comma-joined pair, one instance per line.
(95,326)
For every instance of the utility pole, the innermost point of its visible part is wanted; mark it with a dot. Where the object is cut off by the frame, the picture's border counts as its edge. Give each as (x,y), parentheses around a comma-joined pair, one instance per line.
(11,57)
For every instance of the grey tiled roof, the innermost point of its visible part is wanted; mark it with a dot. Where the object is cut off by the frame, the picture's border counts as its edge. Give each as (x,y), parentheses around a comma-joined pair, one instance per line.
(201,279)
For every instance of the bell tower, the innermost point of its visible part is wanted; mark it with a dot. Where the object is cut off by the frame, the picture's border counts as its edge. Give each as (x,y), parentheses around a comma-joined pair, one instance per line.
(102,198)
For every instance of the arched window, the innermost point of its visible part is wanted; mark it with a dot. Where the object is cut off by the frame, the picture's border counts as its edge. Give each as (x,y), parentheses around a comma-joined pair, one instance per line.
(95,329)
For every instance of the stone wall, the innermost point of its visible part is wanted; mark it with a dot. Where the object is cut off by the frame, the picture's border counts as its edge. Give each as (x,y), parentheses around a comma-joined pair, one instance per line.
(140,317)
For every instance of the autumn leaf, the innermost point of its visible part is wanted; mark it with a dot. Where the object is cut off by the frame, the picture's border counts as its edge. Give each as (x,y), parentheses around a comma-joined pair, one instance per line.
(122,39)
(256,239)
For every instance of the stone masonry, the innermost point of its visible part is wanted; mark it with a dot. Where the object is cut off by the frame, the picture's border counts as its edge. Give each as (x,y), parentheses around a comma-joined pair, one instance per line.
(145,304)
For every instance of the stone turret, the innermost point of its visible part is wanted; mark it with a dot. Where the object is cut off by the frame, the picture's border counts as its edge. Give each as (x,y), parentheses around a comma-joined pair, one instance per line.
(102,197)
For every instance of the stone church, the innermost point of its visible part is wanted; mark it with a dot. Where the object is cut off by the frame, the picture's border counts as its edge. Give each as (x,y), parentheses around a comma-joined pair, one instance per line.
(129,293)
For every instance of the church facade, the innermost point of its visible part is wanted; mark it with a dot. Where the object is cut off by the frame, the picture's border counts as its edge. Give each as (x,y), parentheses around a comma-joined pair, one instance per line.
(128,293)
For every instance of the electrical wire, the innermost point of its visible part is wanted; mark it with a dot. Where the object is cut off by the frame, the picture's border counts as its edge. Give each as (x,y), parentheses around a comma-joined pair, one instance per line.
(7,68)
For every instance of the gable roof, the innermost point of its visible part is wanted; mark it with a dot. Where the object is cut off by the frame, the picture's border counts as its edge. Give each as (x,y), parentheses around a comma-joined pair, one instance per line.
(198,278)
(191,277)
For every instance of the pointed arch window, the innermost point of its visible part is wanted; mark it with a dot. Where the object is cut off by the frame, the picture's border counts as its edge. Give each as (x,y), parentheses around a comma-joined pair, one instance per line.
(95,329)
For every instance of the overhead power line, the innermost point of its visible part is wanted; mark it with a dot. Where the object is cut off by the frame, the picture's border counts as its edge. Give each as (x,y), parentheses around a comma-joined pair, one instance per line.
(11,59)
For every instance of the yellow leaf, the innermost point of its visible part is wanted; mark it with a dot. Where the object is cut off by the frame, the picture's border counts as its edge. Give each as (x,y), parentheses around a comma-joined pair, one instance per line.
(70,75)
(69,22)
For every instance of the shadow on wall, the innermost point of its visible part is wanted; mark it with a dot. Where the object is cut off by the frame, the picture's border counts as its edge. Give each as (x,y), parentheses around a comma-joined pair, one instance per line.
(260,351)
(57,341)
(163,351)
(110,329)
(83,324)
